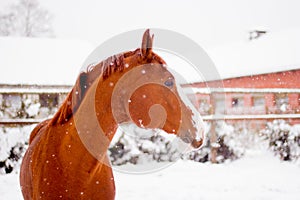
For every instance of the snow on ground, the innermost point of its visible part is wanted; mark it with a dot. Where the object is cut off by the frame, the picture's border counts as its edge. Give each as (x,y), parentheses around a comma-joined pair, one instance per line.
(259,175)
(9,187)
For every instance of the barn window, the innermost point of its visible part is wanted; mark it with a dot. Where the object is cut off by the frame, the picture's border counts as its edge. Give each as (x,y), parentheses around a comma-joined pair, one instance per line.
(259,101)
(12,106)
(220,106)
(282,101)
(204,106)
(12,101)
(49,100)
(1,100)
(237,102)
(34,98)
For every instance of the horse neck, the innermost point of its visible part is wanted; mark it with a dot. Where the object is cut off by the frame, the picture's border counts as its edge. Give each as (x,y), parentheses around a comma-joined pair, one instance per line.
(94,120)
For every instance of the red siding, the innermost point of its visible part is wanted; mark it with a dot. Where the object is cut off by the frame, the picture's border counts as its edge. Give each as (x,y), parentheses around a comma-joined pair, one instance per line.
(248,100)
(294,100)
(270,100)
(287,79)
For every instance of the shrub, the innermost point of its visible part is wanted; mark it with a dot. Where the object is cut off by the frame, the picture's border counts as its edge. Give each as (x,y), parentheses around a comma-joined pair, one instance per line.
(229,144)
(13,143)
(136,146)
(283,139)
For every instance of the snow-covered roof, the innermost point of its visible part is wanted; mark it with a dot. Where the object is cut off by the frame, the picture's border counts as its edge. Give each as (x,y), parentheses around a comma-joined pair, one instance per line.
(272,52)
(54,61)
(41,61)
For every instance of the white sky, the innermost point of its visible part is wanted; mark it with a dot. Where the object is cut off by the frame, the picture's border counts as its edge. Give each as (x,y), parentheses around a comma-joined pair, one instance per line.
(209,23)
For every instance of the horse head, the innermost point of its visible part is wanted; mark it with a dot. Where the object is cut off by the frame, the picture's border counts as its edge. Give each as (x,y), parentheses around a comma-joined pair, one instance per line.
(145,93)
(131,87)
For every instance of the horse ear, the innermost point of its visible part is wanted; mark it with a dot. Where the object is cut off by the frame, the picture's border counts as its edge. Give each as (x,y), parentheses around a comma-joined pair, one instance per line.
(147,42)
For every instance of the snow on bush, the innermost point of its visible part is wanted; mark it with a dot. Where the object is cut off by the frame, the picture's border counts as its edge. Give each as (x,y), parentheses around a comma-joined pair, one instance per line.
(13,143)
(283,139)
(135,145)
(231,143)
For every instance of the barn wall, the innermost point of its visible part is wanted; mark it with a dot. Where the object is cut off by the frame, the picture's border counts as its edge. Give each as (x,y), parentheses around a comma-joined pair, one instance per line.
(286,79)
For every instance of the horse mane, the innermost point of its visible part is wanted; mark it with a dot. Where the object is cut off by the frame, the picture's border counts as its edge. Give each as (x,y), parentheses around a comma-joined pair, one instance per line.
(105,69)
(85,79)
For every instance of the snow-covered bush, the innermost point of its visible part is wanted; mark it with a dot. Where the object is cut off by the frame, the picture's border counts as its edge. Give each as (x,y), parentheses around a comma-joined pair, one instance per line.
(13,143)
(230,143)
(233,140)
(283,139)
(135,145)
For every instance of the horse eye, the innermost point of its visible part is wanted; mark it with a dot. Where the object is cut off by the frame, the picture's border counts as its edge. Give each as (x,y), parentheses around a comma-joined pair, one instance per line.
(169,83)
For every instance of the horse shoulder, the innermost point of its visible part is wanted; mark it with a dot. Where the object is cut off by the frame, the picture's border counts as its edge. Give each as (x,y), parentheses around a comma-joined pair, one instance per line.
(37,129)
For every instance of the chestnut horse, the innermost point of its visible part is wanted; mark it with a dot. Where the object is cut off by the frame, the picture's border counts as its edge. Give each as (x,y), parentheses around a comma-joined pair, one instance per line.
(66,158)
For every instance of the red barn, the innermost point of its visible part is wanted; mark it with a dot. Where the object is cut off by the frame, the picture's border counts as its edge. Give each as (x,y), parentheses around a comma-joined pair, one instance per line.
(259,78)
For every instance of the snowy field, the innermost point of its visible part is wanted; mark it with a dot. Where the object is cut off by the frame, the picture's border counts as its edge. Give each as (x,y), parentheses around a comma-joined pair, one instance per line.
(257,176)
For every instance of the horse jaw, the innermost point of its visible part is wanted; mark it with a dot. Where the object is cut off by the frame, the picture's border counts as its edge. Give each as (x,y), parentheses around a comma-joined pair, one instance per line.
(196,124)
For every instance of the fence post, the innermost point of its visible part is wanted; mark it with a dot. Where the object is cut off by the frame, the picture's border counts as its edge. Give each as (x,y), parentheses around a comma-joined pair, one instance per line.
(213,140)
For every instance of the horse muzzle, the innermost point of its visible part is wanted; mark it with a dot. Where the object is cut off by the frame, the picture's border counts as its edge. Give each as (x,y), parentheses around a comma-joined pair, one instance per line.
(195,141)
(197,144)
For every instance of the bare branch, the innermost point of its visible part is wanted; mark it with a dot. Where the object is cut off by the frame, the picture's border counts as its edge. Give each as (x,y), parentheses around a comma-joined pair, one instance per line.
(26,18)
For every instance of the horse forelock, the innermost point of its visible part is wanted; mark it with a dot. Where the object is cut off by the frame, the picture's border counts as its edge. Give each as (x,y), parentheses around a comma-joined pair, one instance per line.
(104,70)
